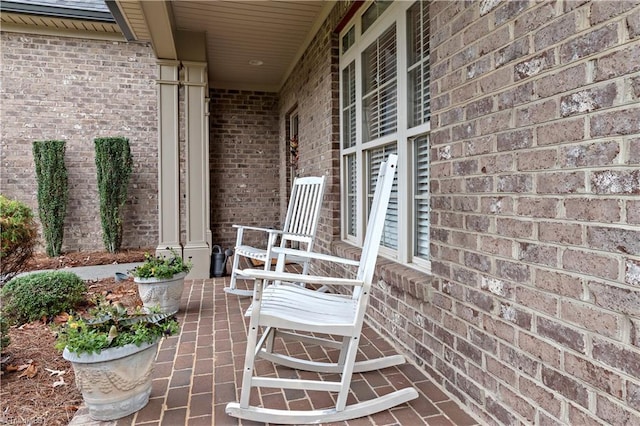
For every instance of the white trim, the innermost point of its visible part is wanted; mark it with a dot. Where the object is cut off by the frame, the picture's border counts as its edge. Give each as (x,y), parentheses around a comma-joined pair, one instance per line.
(396,14)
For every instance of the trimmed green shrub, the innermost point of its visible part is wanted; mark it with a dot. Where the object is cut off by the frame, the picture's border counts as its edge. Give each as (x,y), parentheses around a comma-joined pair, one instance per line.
(18,232)
(114,163)
(4,334)
(41,294)
(53,191)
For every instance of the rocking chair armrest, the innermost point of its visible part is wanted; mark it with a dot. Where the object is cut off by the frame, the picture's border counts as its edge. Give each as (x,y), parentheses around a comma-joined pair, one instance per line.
(313,255)
(261,274)
(257,228)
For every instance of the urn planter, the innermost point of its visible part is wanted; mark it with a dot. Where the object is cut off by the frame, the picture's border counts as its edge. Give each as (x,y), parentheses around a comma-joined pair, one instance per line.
(115,382)
(164,293)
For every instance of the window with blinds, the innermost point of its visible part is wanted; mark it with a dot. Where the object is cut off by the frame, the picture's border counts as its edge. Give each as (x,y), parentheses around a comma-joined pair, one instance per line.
(379,87)
(385,108)
(419,102)
(375,157)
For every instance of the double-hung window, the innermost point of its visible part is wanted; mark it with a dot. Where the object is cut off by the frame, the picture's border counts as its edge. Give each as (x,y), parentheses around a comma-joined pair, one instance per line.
(385,108)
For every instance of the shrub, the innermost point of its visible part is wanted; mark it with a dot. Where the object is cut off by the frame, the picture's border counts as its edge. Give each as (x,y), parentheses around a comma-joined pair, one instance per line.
(53,191)
(114,164)
(18,232)
(41,294)
(4,334)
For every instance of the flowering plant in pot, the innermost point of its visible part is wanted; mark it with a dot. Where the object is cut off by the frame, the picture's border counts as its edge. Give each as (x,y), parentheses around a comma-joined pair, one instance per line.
(112,353)
(160,281)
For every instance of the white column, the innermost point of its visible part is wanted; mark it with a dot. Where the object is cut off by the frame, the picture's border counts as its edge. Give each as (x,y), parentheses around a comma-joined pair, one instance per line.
(168,158)
(197,169)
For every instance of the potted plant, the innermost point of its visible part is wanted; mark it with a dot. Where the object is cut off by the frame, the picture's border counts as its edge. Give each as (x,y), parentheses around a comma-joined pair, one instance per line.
(112,353)
(160,281)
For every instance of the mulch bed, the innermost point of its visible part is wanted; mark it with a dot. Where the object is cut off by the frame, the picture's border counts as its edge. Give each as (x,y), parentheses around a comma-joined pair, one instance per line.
(37,385)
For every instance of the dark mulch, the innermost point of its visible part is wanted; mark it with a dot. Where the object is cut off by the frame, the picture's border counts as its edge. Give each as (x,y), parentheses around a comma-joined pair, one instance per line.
(37,385)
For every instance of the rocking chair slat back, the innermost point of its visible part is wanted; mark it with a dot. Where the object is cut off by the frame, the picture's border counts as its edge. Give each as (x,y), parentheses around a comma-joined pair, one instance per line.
(300,227)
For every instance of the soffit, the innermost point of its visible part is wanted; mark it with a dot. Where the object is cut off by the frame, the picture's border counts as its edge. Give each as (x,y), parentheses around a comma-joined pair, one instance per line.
(19,22)
(80,18)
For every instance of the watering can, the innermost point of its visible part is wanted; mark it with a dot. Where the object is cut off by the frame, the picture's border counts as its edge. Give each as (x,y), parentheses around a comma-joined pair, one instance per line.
(219,261)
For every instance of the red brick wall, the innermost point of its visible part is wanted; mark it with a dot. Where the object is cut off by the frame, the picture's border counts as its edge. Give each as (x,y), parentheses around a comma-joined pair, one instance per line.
(77,90)
(244,164)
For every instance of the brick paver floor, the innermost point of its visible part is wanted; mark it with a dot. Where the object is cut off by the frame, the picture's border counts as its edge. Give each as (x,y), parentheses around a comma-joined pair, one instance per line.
(199,371)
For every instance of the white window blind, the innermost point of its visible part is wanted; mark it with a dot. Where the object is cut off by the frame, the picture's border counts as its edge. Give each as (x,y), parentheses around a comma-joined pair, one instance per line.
(352,200)
(349,105)
(374,158)
(421,196)
(379,86)
(419,102)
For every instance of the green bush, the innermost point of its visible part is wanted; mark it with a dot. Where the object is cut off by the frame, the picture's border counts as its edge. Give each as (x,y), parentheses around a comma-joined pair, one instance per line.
(41,294)
(4,334)
(18,232)
(53,191)
(114,163)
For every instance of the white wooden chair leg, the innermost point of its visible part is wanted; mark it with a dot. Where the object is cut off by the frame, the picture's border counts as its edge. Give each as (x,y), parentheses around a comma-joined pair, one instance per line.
(347,372)
(250,354)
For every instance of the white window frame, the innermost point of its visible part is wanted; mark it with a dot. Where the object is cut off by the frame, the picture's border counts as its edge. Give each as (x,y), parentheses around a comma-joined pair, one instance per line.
(396,14)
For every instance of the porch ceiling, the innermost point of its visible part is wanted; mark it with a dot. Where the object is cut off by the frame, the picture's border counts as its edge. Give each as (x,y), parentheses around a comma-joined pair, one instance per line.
(237,33)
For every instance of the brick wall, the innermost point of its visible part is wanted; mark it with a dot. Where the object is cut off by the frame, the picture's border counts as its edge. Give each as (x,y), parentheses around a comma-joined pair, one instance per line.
(531,312)
(244,164)
(76,90)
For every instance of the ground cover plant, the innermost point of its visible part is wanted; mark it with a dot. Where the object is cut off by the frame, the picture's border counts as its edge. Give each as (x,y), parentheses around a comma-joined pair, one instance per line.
(37,385)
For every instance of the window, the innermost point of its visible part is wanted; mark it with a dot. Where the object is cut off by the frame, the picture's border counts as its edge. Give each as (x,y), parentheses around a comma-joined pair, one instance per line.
(385,108)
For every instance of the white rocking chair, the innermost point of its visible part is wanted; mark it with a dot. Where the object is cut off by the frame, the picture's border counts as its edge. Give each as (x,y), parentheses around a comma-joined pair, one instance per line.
(291,309)
(300,226)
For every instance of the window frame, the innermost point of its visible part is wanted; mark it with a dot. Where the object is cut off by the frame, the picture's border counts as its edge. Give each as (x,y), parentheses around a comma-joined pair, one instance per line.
(395,14)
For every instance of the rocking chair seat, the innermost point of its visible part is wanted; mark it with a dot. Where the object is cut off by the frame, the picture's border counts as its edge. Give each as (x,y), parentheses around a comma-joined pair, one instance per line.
(305,309)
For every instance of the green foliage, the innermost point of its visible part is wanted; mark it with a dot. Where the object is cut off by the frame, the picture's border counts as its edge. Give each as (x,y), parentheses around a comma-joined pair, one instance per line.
(110,326)
(114,163)
(41,294)
(4,334)
(53,191)
(161,266)
(18,232)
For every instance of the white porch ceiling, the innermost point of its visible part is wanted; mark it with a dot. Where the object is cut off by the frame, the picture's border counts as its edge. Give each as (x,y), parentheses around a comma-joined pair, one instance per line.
(241,32)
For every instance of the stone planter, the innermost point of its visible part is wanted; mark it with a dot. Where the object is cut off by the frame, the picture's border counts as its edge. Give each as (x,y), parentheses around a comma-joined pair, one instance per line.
(163,292)
(117,381)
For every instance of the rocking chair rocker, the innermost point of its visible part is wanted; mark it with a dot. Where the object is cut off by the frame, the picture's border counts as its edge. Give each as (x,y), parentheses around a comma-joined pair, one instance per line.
(289,310)
(300,227)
